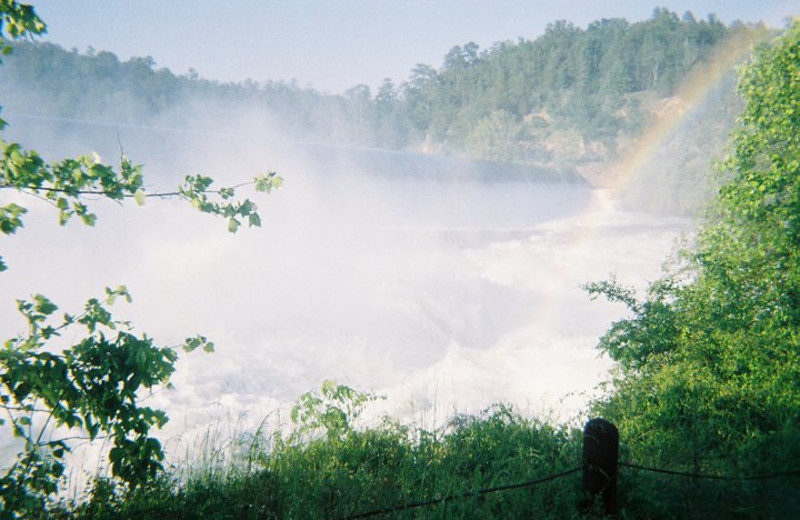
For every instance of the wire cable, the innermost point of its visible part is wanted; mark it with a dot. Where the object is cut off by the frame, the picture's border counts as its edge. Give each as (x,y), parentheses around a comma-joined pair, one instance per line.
(794,473)
(459,496)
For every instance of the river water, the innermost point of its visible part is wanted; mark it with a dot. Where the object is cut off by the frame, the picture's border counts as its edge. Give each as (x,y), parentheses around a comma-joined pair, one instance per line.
(445,296)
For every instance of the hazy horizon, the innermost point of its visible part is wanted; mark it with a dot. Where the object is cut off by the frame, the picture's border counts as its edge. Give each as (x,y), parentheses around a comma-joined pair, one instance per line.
(335,46)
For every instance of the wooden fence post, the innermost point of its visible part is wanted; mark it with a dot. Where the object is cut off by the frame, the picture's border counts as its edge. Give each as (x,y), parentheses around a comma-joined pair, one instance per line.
(599,465)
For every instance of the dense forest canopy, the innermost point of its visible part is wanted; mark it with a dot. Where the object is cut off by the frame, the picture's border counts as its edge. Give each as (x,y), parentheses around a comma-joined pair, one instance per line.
(571,98)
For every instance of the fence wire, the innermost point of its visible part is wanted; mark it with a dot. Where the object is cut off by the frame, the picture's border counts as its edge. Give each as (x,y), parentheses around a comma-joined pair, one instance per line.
(794,473)
(461,496)
(531,483)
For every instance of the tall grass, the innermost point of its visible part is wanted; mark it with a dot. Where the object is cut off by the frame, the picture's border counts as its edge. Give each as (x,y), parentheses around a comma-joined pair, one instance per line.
(335,475)
(327,468)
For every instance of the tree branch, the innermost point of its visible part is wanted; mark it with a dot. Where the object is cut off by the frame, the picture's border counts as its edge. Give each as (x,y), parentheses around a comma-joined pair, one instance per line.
(165,194)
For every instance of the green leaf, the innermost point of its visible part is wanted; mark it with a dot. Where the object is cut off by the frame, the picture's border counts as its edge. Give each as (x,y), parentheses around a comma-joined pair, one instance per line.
(10,219)
(263,184)
(90,219)
(268,182)
(112,294)
(44,305)
(233,225)
(139,197)
(196,342)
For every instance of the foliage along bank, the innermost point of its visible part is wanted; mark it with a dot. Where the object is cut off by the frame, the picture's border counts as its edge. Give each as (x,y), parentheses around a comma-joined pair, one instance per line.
(571,98)
(708,364)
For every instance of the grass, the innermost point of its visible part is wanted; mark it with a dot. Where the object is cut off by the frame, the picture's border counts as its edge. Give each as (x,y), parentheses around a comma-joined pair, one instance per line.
(339,472)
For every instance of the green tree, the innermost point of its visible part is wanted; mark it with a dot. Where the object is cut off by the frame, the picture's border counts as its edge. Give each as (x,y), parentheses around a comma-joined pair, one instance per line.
(570,89)
(393,127)
(709,363)
(418,95)
(47,393)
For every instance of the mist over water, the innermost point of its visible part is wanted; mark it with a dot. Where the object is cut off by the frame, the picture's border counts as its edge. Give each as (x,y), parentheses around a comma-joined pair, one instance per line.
(436,288)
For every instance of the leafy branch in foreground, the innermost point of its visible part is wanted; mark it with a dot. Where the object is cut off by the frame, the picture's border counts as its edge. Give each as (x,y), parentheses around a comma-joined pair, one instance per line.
(53,393)
(66,184)
(17,20)
(93,385)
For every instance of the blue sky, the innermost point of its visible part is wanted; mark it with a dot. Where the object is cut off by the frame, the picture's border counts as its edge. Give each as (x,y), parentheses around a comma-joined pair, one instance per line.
(336,44)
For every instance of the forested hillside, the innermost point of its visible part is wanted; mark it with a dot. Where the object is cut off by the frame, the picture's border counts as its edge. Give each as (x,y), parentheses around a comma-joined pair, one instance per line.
(572,98)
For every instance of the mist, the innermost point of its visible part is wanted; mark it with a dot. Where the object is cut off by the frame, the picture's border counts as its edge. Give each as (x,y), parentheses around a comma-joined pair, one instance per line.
(406,275)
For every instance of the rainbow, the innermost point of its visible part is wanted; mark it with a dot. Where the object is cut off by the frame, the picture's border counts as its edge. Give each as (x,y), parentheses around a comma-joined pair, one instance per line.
(700,82)
(613,178)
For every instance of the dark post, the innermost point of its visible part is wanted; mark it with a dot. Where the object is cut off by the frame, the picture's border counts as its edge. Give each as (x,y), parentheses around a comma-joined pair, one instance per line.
(600,456)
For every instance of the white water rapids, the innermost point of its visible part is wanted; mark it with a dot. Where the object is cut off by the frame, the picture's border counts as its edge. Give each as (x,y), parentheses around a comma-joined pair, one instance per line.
(444,296)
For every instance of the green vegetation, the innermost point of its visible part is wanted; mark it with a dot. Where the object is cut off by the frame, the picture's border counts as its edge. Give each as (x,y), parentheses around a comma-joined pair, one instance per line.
(329,469)
(503,103)
(707,378)
(570,99)
(52,394)
(569,79)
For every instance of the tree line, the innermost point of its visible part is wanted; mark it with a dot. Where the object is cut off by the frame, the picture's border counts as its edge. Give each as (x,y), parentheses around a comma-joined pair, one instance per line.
(527,101)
